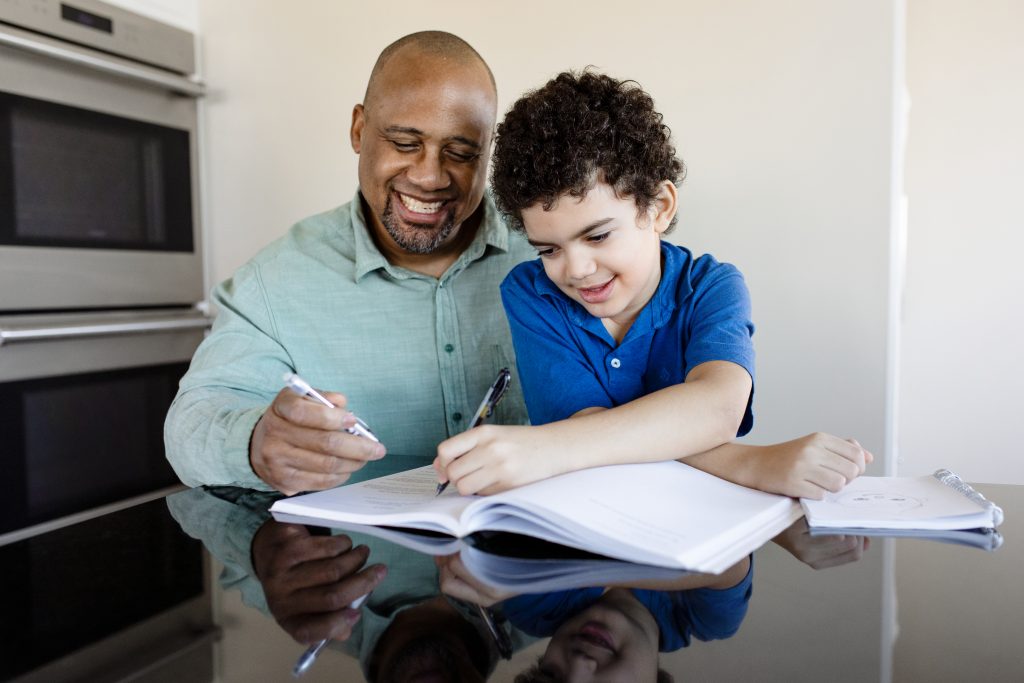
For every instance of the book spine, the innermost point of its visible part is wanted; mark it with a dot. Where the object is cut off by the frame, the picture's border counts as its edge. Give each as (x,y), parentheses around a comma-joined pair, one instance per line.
(957,484)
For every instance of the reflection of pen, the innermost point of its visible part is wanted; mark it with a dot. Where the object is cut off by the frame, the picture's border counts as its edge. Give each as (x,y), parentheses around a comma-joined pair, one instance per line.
(500,637)
(491,398)
(302,388)
(309,656)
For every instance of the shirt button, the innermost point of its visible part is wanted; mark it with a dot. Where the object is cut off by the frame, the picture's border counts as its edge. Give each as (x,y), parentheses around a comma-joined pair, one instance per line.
(449,348)
(457,417)
(616,363)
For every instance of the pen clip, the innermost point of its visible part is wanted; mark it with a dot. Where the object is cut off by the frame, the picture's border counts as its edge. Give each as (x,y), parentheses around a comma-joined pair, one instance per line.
(493,396)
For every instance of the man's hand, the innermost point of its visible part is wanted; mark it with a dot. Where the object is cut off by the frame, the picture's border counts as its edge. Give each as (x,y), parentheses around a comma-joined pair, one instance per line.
(809,466)
(494,458)
(309,581)
(299,445)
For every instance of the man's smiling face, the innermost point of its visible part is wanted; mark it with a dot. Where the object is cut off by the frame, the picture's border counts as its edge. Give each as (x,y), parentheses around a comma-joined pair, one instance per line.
(423,139)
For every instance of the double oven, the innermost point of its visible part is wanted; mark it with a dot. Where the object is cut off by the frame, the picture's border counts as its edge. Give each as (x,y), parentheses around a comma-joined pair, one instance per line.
(101,265)
(100,254)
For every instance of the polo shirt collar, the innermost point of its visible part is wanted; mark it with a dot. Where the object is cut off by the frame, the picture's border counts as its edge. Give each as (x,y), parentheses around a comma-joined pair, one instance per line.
(674,288)
(368,258)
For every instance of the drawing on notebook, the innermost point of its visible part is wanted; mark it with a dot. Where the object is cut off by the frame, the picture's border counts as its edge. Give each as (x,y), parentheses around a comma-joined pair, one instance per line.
(882,501)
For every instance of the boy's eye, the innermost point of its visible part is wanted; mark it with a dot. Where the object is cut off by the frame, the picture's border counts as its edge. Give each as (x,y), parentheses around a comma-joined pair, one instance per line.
(600,237)
(546,252)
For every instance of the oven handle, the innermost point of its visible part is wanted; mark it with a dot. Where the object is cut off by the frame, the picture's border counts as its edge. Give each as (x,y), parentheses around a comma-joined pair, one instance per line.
(178,84)
(11,335)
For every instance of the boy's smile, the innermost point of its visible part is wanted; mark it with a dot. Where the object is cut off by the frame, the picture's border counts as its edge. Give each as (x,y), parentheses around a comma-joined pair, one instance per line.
(597,294)
(600,252)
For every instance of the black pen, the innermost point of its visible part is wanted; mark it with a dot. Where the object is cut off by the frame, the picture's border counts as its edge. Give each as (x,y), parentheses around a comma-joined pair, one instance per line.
(491,398)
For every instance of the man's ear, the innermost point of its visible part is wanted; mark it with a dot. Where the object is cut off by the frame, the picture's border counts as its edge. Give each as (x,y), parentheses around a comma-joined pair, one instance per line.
(358,124)
(664,206)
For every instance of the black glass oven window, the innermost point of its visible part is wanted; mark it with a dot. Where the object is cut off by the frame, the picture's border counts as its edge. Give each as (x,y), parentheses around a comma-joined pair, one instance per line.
(78,178)
(77,442)
(72,587)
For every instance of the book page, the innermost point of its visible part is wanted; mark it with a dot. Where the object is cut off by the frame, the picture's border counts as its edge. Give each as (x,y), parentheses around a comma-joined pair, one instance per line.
(402,499)
(662,513)
(897,502)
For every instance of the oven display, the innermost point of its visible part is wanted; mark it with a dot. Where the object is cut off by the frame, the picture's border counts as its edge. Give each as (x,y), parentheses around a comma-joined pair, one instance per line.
(87,19)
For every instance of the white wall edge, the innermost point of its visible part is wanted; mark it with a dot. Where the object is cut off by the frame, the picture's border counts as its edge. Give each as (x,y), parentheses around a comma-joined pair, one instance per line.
(897,236)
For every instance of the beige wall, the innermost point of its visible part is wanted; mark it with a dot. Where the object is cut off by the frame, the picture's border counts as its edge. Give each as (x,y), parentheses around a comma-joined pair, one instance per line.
(963,312)
(781,110)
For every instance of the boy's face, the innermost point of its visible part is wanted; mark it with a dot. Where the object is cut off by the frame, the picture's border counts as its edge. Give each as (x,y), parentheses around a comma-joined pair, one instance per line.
(615,639)
(600,252)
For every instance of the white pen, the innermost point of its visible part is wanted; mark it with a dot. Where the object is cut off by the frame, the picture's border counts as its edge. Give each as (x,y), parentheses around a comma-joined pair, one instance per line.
(302,388)
(309,656)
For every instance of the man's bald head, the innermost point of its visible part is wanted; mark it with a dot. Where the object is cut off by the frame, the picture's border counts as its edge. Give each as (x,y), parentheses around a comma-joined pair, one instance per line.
(439,46)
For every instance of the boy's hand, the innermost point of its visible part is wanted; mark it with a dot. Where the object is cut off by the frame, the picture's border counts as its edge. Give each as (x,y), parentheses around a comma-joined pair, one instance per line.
(809,466)
(493,458)
(457,581)
(821,552)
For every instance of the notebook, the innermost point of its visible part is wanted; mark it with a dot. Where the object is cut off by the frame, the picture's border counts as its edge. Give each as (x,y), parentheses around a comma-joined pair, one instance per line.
(665,514)
(941,501)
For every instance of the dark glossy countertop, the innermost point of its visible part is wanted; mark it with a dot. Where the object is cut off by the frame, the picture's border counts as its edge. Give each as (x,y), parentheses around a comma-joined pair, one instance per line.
(829,608)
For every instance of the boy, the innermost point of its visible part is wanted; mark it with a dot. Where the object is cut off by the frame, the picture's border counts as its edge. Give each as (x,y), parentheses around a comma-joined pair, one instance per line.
(628,348)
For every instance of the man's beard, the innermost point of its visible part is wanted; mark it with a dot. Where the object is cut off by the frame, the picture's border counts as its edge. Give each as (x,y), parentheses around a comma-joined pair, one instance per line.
(417,238)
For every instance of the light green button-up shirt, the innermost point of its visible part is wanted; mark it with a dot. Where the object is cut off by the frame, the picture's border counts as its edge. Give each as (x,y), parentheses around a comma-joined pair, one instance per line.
(413,354)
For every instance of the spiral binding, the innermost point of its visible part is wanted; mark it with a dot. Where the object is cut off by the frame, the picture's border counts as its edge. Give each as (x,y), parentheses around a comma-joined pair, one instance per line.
(957,484)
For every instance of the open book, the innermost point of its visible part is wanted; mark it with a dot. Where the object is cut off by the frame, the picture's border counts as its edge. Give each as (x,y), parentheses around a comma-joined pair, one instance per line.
(665,514)
(941,501)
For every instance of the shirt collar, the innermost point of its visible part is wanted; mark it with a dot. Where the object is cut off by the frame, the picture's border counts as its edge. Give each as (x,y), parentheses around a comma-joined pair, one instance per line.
(673,289)
(491,233)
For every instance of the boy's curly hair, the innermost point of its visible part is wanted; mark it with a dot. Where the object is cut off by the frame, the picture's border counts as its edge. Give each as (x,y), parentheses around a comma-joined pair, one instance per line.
(577,129)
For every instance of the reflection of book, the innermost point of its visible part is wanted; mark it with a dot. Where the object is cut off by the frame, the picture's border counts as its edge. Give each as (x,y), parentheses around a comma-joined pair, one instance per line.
(665,514)
(514,563)
(941,501)
(986,539)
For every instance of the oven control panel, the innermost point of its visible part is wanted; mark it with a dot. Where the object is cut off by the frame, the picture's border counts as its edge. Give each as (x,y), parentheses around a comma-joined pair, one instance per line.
(104,27)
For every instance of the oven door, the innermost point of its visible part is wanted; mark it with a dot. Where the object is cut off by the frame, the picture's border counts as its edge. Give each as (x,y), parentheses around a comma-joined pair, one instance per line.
(98,184)
(82,406)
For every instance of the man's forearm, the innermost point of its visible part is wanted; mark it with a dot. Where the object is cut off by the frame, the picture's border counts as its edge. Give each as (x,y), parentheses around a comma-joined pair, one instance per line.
(206,436)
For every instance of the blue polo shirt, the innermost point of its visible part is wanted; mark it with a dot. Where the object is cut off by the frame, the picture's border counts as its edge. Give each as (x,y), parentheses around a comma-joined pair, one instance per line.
(568,361)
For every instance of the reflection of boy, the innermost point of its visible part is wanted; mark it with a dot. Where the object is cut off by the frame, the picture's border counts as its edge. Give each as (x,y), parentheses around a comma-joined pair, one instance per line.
(616,634)
(629,349)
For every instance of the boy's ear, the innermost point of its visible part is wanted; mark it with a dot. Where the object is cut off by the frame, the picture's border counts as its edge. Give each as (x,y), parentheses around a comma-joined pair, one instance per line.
(664,206)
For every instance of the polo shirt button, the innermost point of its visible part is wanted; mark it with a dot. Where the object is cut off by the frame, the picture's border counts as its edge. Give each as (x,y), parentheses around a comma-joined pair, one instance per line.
(449,348)
(616,363)
(457,417)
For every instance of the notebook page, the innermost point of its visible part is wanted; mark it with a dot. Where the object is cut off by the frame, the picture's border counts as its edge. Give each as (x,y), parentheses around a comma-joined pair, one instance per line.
(897,502)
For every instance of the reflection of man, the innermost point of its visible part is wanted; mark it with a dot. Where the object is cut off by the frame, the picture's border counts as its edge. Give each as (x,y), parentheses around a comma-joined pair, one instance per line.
(307,581)
(391,298)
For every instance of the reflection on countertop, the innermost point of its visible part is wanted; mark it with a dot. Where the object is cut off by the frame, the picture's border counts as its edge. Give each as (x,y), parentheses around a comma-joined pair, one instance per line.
(846,608)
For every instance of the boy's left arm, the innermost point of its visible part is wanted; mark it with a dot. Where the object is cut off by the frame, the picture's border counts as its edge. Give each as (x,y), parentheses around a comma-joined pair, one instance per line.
(807,467)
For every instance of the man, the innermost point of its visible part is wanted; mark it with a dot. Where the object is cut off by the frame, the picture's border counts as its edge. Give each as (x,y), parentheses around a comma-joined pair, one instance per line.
(391,299)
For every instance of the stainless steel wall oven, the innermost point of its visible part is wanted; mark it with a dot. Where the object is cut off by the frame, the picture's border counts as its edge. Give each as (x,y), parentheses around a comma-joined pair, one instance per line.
(101,264)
